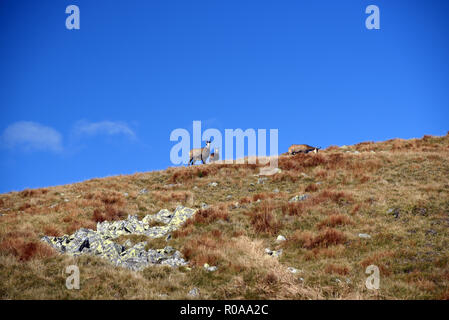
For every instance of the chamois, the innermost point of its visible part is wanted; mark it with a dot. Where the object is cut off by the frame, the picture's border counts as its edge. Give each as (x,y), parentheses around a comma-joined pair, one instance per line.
(302,148)
(200,154)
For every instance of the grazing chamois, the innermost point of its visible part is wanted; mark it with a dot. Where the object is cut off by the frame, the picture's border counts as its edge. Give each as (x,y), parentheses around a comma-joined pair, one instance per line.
(302,148)
(200,154)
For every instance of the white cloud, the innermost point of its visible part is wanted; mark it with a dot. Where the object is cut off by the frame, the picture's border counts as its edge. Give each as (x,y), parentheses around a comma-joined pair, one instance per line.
(103,127)
(31,136)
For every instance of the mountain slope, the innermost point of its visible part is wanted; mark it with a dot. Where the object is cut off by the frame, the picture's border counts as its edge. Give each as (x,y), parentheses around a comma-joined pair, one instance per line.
(383,204)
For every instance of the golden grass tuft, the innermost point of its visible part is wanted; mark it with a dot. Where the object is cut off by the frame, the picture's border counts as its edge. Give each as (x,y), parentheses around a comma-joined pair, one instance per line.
(323,239)
(25,250)
(337,269)
(333,221)
(109,213)
(264,221)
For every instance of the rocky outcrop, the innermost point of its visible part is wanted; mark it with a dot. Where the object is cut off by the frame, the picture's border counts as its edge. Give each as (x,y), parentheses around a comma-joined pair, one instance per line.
(298,198)
(100,242)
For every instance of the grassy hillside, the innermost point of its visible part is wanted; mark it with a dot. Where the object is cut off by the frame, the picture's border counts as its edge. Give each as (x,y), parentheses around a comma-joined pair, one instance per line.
(395,191)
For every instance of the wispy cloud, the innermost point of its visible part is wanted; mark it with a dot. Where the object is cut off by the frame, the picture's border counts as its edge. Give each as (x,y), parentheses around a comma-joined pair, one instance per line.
(31,136)
(103,127)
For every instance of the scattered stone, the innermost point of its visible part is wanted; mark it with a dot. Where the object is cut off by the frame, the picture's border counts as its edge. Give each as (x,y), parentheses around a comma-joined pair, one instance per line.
(213,184)
(276,190)
(261,180)
(194,292)
(195,188)
(356,152)
(229,197)
(204,205)
(273,253)
(431,232)
(126,194)
(135,257)
(394,212)
(292,270)
(210,268)
(337,280)
(277,253)
(66,200)
(280,238)
(420,211)
(252,184)
(364,236)
(305,175)
(168,237)
(143,191)
(297,198)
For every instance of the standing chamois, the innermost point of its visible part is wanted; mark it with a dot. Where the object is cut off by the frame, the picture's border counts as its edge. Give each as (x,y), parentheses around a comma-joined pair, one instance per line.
(200,154)
(302,148)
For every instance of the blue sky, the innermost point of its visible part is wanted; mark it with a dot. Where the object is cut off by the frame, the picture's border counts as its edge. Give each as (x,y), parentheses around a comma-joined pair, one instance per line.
(103,100)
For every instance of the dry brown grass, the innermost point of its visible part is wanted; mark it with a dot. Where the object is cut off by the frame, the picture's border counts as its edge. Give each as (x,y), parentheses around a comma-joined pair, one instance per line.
(325,238)
(397,191)
(202,250)
(209,215)
(337,269)
(264,221)
(379,259)
(263,196)
(301,207)
(311,188)
(109,213)
(334,220)
(258,275)
(187,174)
(15,244)
(175,196)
